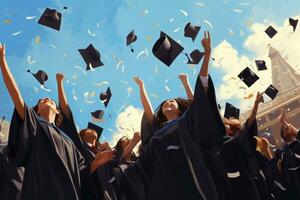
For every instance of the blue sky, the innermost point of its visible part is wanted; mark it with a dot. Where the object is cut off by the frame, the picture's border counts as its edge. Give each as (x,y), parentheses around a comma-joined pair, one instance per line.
(111,21)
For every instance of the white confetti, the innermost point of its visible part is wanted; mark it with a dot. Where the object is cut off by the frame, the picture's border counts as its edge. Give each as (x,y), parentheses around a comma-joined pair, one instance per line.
(208,23)
(231,32)
(101,83)
(237,11)
(166,81)
(30,62)
(144,52)
(109,129)
(199,4)
(172,19)
(177,29)
(123,69)
(184,12)
(154,95)
(91,34)
(244,4)
(36,89)
(30,17)
(125,82)
(82,70)
(119,63)
(156,69)
(44,88)
(53,46)
(167,88)
(195,71)
(86,95)
(130,91)
(16,33)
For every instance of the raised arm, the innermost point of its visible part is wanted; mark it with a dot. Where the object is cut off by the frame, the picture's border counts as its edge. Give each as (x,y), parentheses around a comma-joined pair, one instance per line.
(144,99)
(185,82)
(135,140)
(252,117)
(11,84)
(63,103)
(285,123)
(207,51)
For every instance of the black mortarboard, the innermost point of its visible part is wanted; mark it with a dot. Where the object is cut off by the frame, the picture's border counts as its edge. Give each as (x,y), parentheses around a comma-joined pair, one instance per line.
(248,76)
(91,57)
(196,57)
(98,115)
(51,18)
(105,97)
(41,76)
(191,31)
(271,91)
(231,111)
(270,31)
(166,49)
(261,65)
(293,23)
(131,38)
(96,128)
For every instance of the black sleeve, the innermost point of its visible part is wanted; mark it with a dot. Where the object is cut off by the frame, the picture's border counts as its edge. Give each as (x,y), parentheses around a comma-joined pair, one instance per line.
(246,138)
(203,115)
(21,136)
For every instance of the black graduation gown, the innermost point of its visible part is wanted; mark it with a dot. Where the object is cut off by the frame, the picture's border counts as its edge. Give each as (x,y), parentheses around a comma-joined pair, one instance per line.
(55,169)
(238,181)
(101,188)
(172,165)
(291,170)
(11,178)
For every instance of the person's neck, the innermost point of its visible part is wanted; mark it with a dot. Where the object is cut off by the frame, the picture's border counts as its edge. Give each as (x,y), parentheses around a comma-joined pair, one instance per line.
(172,116)
(48,116)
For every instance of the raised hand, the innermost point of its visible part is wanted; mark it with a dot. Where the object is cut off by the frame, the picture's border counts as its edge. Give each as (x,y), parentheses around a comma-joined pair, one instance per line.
(103,157)
(183,77)
(259,98)
(138,81)
(206,43)
(60,77)
(136,137)
(2,50)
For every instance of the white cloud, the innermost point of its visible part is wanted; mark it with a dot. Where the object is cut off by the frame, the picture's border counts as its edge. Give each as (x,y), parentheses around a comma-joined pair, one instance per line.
(231,62)
(127,123)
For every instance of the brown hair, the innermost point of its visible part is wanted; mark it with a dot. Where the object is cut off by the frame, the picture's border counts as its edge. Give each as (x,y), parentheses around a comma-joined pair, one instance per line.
(119,148)
(234,124)
(282,133)
(58,118)
(160,118)
(83,132)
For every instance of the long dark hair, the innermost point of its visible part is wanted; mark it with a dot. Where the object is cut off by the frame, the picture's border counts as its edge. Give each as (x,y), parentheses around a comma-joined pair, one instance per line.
(58,118)
(118,148)
(159,116)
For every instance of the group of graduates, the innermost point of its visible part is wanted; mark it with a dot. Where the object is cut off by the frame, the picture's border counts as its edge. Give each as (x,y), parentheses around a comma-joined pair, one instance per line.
(187,152)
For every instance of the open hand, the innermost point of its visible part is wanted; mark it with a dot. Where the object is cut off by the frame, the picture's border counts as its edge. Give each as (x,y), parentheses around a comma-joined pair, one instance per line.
(206,42)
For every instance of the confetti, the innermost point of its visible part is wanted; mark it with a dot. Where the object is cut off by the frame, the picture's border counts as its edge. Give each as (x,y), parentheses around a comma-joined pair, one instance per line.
(208,23)
(144,52)
(119,63)
(36,89)
(231,32)
(101,83)
(154,95)
(248,96)
(184,12)
(130,91)
(166,81)
(177,29)
(244,4)
(125,82)
(16,33)
(44,88)
(7,21)
(123,69)
(167,88)
(30,62)
(237,11)
(37,39)
(86,96)
(82,70)
(148,38)
(90,33)
(30,17)
(172,19)
(199,4)
(52,45)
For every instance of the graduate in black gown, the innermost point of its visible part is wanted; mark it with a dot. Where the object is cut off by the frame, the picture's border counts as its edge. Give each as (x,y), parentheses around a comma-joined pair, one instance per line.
(54,168)
(290,160)
(237,159)
(11,178)
(171,165)
(88,146)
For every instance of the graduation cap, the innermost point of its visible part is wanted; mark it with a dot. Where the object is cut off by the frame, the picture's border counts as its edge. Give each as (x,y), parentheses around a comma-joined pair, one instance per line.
(231,111)
(248,76)
(41,76)
(51,18)
(96,128)
(196,57)
(261,65)
(98,115)
(293,23)
(191,31)
(91,57)
(131,38)
(166,49)
(105,96)
(270,31)
(271,91)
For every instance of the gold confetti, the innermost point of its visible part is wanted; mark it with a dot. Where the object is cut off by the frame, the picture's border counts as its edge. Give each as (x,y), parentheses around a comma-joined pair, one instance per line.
(7,21)
(148,38)
(37,39)
(249,96)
